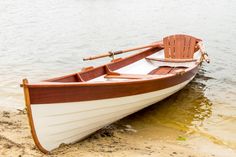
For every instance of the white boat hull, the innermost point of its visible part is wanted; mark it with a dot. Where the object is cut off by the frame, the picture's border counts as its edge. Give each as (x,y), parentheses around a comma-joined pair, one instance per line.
(69,122)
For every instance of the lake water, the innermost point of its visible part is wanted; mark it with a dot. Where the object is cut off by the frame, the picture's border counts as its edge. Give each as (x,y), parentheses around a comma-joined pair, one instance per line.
(43,39)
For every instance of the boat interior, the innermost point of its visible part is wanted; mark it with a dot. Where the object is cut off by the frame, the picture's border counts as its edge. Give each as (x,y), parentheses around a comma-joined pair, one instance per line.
(175,55)
(152,66)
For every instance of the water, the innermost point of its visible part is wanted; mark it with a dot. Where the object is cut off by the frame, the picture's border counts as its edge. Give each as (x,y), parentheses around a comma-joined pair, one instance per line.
(43,39)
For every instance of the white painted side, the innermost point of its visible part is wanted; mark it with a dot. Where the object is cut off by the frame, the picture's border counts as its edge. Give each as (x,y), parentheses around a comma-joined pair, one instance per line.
(70,122)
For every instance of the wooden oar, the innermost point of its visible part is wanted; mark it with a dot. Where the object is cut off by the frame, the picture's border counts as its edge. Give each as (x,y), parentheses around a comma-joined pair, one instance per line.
(111,54)
(203,52)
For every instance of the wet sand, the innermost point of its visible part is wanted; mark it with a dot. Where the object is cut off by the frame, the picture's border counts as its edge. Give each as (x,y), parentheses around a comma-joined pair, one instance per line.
(114,140)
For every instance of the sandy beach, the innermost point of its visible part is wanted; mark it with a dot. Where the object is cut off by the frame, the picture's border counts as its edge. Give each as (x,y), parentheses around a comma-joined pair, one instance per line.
(114,140)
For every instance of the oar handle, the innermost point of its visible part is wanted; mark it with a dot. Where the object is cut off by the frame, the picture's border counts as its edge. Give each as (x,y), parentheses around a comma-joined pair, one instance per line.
(111,54)
(203,52)
(107,54)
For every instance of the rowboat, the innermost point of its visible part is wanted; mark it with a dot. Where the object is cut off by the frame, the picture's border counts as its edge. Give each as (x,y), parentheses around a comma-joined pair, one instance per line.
(69,108)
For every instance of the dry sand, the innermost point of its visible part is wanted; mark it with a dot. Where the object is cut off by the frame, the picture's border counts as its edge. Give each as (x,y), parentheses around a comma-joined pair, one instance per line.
(114,140)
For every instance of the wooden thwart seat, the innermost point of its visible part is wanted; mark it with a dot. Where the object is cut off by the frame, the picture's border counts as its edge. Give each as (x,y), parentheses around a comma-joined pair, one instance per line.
(129,76)
(171,60)
(112,74)
(164,70)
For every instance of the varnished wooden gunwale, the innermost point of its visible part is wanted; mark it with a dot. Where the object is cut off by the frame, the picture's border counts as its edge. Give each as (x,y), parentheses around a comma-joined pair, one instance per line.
(46,93)
(171,60)
(85,92)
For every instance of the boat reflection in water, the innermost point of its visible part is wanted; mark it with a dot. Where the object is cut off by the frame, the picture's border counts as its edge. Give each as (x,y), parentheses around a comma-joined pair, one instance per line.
(183,111)
(188,114)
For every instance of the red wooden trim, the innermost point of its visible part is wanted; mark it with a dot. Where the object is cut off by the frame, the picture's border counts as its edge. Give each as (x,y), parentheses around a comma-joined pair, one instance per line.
(193,43)
(180,46)
(164,70)
(72,92)
(166,47)
(109,71)
(161,70)
(172,48)
(171,60)
(87,68)
(129,76)
(177,45)
(80,79)
(30,117)
(117,59)
(58,79)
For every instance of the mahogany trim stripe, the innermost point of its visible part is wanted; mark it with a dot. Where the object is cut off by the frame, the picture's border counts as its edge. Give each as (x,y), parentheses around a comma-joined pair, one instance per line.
(60,93)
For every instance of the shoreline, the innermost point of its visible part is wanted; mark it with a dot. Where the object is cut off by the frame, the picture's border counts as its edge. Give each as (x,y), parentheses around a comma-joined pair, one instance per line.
(114,140)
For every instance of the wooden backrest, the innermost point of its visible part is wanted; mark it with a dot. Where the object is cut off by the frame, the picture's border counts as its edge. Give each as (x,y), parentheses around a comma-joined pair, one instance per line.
(179,46)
